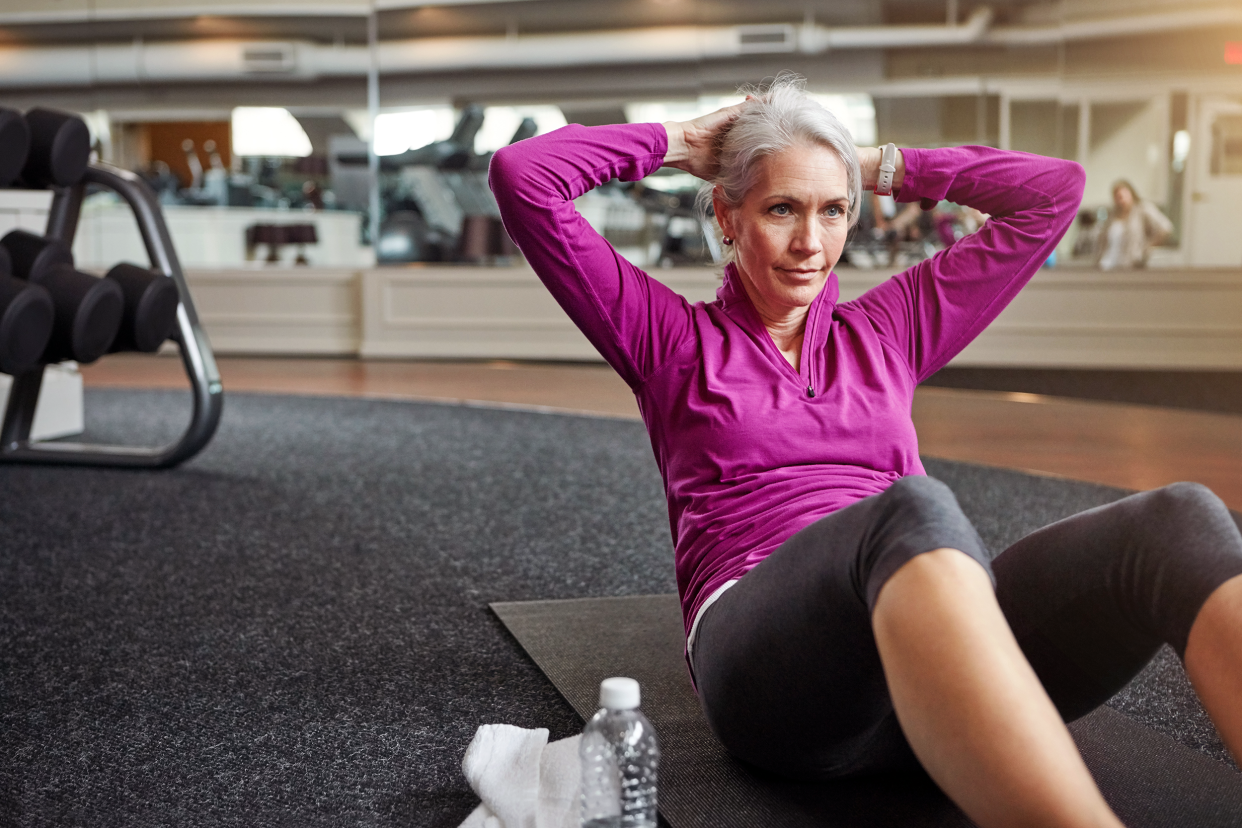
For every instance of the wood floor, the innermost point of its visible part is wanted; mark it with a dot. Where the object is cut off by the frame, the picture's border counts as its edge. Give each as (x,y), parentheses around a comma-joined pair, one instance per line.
(1131,446)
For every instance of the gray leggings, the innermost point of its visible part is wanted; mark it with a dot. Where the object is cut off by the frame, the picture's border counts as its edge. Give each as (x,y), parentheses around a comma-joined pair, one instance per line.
(786,664)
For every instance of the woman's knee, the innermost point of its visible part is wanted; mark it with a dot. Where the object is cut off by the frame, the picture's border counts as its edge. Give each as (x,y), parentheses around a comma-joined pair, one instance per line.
(1186,498)
(1177,544)
(920,492)
(915,515)
(1178,512)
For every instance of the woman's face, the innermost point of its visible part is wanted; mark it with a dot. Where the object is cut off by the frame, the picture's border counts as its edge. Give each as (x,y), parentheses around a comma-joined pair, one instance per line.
(790,228)
(1123,199)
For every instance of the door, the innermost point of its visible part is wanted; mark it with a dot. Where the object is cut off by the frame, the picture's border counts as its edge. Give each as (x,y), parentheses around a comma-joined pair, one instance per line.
(1215,216)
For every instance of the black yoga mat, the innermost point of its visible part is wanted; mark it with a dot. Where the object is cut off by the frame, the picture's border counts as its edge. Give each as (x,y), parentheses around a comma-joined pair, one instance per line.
(1149,779)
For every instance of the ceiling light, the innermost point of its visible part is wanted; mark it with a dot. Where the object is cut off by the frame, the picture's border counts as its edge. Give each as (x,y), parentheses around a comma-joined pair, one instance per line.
(501,122)
(396,132)
(268,131)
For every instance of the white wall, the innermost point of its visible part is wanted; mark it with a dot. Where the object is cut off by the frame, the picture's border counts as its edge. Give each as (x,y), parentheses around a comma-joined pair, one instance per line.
(24,210)
(1064,318)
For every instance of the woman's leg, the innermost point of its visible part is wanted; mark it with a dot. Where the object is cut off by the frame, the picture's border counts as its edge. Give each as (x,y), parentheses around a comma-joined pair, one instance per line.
(971,706)
(1214,661)
(785,661)
(1091,598)
(791,679)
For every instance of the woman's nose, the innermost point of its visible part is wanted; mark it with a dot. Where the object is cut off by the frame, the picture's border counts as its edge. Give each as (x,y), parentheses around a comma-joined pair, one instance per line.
(806,238)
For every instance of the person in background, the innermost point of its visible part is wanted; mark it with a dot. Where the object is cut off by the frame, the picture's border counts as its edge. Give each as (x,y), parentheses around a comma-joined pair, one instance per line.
(1134,226)
(1087,240)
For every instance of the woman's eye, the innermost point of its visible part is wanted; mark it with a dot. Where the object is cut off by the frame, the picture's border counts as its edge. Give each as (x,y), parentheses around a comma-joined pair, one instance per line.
(834,211)
(781,209)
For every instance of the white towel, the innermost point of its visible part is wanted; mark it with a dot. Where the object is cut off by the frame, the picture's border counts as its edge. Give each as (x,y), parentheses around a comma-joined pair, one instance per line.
(524,782)
(481,817)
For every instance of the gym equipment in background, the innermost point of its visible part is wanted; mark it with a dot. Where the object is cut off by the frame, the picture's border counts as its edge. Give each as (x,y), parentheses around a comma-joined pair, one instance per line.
(150,308)
(26,316)
(88,314)
(26,311)
(60,149)
(88,309)
(31,256)
(14,145)
(84,316)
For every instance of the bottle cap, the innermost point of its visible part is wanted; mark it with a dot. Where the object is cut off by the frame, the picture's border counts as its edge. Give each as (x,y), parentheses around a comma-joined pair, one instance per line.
(618,693)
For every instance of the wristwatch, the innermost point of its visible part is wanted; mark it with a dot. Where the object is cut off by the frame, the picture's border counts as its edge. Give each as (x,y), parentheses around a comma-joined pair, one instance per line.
(888,167)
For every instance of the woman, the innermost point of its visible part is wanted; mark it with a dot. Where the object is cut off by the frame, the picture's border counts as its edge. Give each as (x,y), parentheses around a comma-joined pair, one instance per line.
(1134,226)
(840,610)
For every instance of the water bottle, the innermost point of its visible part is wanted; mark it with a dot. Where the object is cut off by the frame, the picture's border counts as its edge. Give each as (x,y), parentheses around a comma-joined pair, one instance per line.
(619,758)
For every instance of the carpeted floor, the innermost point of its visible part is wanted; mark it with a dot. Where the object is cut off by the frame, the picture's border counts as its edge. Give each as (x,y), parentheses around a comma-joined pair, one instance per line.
(292,629)
(1219,391)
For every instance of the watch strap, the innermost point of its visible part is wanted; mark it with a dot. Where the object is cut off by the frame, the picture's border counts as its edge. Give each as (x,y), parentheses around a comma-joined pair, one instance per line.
(888,168)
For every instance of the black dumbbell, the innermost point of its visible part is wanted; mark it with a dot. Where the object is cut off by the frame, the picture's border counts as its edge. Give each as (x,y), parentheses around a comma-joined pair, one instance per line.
(88,309)
(31,255)
(14,145)
(151,301)
(26,316)
(60,149)
(88,314)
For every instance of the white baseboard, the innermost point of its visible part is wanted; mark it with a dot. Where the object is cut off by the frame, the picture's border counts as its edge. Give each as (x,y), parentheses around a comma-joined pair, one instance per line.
(278,310)
(482,312)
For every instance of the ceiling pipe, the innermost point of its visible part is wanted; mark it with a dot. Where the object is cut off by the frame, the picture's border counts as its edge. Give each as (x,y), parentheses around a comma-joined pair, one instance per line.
(136,10)
(160,62)
(233,61)
(1131,24)
(820,38)
(664,44)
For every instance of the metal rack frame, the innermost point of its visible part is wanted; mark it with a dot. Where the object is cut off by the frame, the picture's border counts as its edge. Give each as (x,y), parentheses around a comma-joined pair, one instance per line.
(200,365)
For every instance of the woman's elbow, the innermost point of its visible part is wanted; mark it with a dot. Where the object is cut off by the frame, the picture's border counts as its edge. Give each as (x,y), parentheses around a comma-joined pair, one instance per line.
(508,178)
(1063,189)
(503,167)
(1075,181)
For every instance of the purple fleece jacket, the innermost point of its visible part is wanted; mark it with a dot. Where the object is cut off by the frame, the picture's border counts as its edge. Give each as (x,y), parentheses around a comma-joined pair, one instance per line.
(751,451)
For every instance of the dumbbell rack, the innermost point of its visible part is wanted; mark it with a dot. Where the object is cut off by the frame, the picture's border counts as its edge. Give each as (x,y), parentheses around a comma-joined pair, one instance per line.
(200,365)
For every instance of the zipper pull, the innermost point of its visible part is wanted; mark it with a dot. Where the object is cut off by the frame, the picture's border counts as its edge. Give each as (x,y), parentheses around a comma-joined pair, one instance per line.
(810,392)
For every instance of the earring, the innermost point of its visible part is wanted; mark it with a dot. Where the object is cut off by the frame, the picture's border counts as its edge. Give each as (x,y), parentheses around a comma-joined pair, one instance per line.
(727,240)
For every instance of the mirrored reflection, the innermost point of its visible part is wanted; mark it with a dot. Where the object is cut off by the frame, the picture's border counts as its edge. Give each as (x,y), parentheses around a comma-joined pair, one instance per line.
(251,186)
(266,161)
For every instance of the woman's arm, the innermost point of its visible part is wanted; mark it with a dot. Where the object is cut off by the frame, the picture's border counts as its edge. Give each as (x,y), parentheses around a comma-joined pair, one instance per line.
(633,320)
(933,310)
(1156,224)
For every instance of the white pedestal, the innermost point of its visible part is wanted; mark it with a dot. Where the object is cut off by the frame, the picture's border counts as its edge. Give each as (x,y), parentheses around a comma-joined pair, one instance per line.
(60,411)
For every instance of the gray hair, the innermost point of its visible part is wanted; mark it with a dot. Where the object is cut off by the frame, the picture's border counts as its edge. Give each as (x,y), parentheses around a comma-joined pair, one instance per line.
(780,116)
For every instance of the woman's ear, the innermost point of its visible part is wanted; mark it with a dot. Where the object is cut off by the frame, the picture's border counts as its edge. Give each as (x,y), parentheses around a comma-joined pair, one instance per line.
(724,213)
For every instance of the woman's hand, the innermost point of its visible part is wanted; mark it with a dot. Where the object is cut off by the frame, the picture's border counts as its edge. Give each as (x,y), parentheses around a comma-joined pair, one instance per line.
(869,165)
(693,146)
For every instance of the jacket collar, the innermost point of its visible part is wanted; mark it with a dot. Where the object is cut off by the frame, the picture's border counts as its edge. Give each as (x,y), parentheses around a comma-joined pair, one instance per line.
(733,292)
